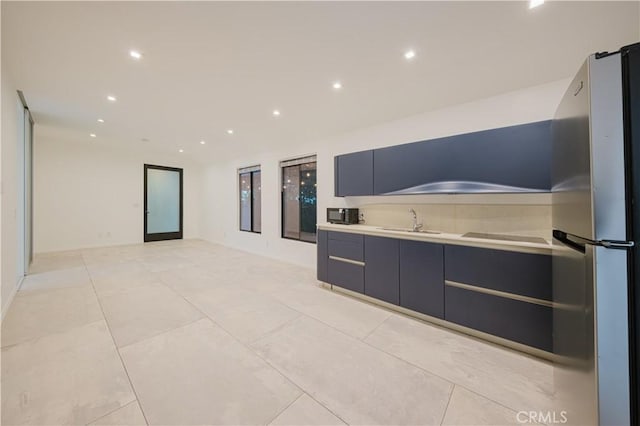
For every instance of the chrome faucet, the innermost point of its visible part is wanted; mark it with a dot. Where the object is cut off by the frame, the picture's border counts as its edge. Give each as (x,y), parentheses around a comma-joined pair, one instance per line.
(416,226)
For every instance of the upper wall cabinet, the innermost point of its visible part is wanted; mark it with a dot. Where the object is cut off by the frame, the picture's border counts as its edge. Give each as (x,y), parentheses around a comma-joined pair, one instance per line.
(354,174)
(505,160)
(509,159)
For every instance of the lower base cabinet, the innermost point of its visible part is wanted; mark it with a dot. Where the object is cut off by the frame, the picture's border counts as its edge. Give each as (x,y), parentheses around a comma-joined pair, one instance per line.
(498,292)
(522,322)
(381,258)
(323,255)
(422,277)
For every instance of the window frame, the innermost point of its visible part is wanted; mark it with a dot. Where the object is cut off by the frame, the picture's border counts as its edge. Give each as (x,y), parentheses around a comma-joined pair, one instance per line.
(296,161)
(250,171)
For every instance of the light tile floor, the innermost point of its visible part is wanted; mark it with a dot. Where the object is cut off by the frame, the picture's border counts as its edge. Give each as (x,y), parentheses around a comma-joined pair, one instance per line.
(187,332)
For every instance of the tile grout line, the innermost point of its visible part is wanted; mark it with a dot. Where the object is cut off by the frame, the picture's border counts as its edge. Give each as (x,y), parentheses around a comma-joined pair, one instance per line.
(253,351)
(444,413)
(422,322)
(113,411)
(285,408)
(302,314)
(124,367)
(160,282)
(357,339)
(486,397)
(440,376)
(160,333)
(362,341)
(298,386)
(375,328)
(431,373)
(278,328)
(53,333)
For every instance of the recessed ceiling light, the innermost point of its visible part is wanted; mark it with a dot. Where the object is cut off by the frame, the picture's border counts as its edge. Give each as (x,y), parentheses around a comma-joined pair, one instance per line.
(93,135)
(230,131)
(135,54)
(409,54)
(337,85)
(111,98)
(276,113)
(202,142)
(100,120)
(535,3)
(181,150)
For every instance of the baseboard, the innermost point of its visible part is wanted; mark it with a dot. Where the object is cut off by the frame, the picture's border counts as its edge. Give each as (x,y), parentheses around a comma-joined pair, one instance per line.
(7,303)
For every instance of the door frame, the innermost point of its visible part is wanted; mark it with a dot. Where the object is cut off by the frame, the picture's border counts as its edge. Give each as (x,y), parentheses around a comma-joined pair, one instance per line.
(160,236)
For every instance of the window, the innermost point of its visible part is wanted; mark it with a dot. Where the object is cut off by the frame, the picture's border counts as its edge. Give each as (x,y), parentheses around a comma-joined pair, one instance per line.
(250,199)
(299,199)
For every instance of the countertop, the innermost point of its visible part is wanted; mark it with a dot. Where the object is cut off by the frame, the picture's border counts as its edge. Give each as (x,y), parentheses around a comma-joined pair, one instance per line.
(442,238)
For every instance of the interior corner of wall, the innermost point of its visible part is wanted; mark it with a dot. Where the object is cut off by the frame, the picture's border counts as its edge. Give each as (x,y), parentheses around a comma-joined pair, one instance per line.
(6,304)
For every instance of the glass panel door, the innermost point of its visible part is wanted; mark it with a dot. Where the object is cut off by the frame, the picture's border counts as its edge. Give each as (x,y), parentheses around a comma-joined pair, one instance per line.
(290,202)
(162,203)
(256,204)
(307,201)
(245,201)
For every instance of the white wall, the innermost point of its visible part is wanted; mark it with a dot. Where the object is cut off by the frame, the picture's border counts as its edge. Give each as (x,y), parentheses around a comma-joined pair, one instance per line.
(90,194)
(220,220)
(9,185)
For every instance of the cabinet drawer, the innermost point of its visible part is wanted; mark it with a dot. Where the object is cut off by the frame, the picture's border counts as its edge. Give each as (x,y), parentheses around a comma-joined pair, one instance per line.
(346,275)
(524,274)
(347,246)
(522,322)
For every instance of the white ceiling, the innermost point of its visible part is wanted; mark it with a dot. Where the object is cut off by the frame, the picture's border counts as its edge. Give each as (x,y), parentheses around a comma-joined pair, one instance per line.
(211,66)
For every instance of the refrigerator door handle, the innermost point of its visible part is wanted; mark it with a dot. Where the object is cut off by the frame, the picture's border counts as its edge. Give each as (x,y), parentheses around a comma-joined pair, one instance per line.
(621,245)
(563,237)
(578,243)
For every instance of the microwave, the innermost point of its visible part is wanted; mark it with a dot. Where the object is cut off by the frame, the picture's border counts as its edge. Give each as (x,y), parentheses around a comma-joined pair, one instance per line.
(343,216)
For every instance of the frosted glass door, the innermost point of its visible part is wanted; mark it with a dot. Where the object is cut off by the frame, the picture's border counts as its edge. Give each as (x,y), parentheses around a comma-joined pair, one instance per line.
(163,203)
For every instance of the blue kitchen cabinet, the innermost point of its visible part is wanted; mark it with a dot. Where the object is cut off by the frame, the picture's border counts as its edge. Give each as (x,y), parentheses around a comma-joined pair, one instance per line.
(422,277)
(345,260)
(345,245)
(526,274)
(503,293)
(515,320)
(346,275)
(509,159)
(498,292)
(381,272)
(354,174)
(323,255)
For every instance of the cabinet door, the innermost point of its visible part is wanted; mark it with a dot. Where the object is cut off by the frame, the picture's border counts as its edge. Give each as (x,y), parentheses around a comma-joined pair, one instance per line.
(381,269)
(422,277)
(354,174)
(323,255)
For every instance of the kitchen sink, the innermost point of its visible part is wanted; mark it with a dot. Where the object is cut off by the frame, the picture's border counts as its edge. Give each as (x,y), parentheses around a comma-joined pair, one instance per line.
(421,231)
(502,237)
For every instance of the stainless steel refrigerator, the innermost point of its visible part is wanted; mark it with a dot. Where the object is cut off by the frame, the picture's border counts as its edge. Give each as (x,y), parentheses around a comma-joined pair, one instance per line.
(596,192)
